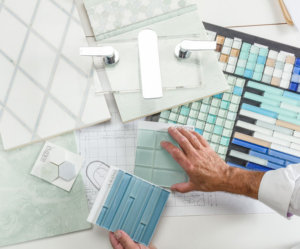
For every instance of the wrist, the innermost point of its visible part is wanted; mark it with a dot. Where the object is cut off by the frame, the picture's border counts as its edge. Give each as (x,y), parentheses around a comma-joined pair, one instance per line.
(243,182)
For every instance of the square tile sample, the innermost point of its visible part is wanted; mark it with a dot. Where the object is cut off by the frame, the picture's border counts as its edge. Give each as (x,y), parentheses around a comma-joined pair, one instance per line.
(173,22)
(57,166)
(33,209)
(46,87)
(152,162)
(128,203)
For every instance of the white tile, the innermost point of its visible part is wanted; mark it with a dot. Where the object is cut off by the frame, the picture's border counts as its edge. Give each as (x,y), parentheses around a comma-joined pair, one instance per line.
(228,42)
(6,72)
(288,68)
(284,84)
(257,116)
(286,137)
(281,56)
(230,68)
(25,106)
(271,139)
(289,107)
(274,127)
(74,40)
(269,70)
(295,146)
(273,54)
(20,134)
(54,121)
(65,4)
(232,60)
(247,157)
(12,35)
(297,133)
(285,149)
(50,28)
(38,60)
(222,65)
(277,73)
(226,50)
(253,127)
(23,9)
(68,86)
(237,43)
(286,76)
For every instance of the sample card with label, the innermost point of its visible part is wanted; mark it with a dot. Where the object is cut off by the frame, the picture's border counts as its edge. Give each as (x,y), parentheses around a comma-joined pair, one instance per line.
(46,86)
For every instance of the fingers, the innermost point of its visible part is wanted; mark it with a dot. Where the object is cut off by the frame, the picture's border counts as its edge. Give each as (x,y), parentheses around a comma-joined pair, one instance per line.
(177,154)
(201,139)
(151,246)
(183,187)
(191,137)
(125,241)
(181,140)
(114,242)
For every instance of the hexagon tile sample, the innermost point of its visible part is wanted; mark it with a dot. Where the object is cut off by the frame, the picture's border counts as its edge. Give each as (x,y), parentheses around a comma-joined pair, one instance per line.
(67,171)
(49,172)
(57,156)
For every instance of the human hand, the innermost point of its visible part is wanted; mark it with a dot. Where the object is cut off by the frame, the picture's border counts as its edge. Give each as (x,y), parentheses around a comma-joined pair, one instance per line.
(121,240)
(206,170)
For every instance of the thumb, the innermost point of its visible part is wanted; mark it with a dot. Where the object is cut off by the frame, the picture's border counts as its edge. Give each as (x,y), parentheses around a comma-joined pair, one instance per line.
(183,187)
(125,240)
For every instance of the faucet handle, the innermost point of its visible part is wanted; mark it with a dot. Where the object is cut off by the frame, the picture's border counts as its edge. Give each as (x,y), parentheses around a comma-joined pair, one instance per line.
(109,54)
(184,48)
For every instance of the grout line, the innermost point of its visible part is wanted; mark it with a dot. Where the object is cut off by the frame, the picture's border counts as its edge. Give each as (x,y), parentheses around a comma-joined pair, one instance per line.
(50,82)
(256,25)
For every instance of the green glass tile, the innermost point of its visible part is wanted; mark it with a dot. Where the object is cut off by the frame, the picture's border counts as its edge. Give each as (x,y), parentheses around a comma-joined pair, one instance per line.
(250,65)
(263,51)
(227,96)
(231,115)
(162,120)
(144,157)
(208,127)
(289,114)
(282,99)
(211,119)
(165,114)
(162,136)
(204,108)
(231,80)
(207,135)
(225,141)
(252,58)
(218,130)
(240,82)
(229,124)
(182,119)
(222,113)
(240,71)
(216,102)
(207,101)
(215,138)
(213,110)
(242,63)
(246,46)
(235,99)
(163,160)
(194,114)
(257,76)
(176,109)
(254,49)
(222,150)
(244,55)
(220,121)
(259,68)
(196,105)
(200,124)
(225,104)
(145,173)
(227,132)
(191,121)
(262,99)
(166,178)
(279,65)
(233,107)
(214,146)
(266,88)
(184,110)
(173,116)
(146,138)
(289,120)
(202,116)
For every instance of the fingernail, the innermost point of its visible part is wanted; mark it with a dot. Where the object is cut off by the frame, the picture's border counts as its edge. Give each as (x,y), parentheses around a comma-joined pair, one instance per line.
(118,235)
(172,128)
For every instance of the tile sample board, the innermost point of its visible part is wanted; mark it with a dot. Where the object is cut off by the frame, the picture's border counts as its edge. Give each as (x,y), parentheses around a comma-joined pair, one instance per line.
(152,162)
(46,88)
(32,208)
(128,203)
(256,125)
(118,24)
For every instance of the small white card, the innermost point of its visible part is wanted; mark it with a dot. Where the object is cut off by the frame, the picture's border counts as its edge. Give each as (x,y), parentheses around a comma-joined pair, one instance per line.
(57,166)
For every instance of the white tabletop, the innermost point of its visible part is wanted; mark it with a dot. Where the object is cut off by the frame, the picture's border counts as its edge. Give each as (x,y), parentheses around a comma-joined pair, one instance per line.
(221,231)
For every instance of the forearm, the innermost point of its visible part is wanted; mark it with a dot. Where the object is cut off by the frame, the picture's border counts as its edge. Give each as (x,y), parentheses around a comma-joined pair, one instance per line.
(243,182)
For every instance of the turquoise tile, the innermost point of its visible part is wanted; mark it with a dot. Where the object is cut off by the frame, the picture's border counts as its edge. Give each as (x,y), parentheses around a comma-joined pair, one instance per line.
(146,138)
(171,122)
(250,65)
(225,141)
(237,90)
(248,73)
(283,98)
(252,58)
(165,114)
(261,59)
(225,104)
(199,131)
(291,95)
(259,110)
(184,111)
(262,99)
(218,96)
(211,119)
(259,68)
(289,120)
(257,76)
(244,55)
(144,157)
(246,46)
(263,52)
(218,130)
(264,87)
(279,110)
(239,71)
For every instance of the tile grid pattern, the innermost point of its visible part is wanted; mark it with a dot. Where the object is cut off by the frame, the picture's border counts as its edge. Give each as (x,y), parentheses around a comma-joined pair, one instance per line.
(42,86)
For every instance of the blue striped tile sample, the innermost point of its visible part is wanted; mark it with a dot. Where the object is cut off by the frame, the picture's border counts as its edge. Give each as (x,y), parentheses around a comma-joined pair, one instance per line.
(133,206)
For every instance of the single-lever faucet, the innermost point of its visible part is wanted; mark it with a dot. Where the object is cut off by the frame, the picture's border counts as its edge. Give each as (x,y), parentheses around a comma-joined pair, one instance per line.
(184,48)
(109,54)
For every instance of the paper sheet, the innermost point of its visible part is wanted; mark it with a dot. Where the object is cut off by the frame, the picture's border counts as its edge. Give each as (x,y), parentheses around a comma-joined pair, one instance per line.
(293,7)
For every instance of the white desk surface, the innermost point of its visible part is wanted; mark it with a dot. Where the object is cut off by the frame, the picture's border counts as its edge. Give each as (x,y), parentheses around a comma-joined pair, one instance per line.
(210,232)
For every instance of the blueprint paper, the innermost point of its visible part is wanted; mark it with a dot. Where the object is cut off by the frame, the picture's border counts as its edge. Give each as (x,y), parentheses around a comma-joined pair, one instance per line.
(32,208)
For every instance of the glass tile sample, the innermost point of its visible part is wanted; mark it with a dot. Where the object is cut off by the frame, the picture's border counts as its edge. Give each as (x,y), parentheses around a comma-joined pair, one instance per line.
(153,163)
(46,87)
(200,69)
(32,208)
(128,203)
